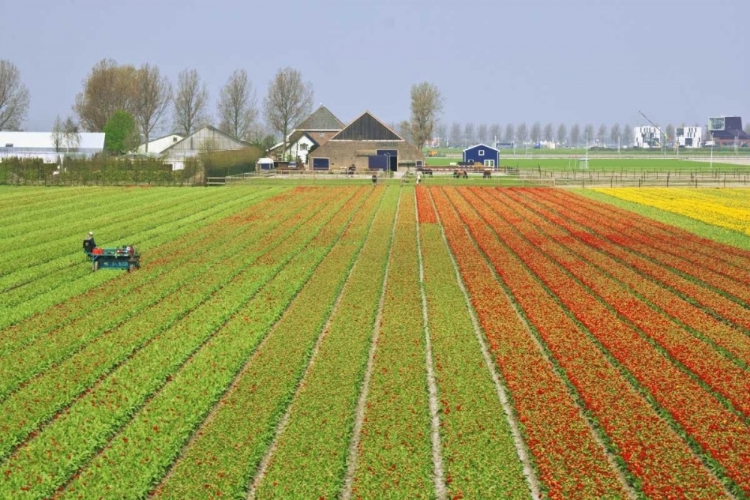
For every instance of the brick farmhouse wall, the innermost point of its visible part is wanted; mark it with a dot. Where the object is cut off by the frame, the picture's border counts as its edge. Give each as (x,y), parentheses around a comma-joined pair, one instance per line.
(343,154)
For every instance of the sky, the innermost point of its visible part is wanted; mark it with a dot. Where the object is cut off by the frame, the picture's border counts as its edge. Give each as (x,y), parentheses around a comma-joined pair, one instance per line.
(501,61)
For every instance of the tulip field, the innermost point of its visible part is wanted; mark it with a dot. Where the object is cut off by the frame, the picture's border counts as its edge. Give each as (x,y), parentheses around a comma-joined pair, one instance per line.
(390,341)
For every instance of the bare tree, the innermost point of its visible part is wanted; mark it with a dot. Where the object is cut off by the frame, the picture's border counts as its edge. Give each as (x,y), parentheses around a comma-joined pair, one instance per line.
(441,130)
(627,134)
(14,97)
(549,132)
(601,135)
(588,133)
(154,93)
(190,102)
(455,137)
(404,129)
(426,105)
(289,100)
(522,133)
(510,133)
(496,133)
(482,133)
(238,106)
(71,134)
(575,135)
(562,134)
(469,135)
(536,132)
(57,135)
(108,88)
(614,134)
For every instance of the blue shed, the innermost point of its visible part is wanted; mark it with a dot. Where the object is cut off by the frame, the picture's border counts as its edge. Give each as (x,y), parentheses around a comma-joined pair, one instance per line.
(481,153)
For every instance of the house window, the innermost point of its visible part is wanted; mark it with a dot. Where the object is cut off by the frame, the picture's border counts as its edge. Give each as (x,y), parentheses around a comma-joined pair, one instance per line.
(303,147)
(9,145)
(481,152)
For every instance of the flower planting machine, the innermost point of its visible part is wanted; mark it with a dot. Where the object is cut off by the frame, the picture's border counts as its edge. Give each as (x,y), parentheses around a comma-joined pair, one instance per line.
(124,257)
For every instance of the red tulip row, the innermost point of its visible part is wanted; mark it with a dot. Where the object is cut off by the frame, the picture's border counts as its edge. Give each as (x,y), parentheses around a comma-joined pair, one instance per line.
(569,460)
(727,278)
(425,210)
(311,454)
(723,309)
(479,453)
(650,307)
(394,458)
(109,403)
(704,418)
(227,447)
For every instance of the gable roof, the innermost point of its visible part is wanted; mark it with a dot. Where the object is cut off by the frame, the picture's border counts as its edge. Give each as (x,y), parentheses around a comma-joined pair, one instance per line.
(483,145)
(211,128)
(294,137)
(321,119)
(367,128)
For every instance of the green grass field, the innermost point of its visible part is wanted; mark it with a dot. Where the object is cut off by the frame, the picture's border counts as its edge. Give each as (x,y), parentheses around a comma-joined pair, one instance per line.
(605,164)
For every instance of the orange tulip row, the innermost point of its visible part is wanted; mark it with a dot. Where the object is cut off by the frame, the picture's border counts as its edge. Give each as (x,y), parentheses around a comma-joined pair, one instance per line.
(568,457)
(717,431)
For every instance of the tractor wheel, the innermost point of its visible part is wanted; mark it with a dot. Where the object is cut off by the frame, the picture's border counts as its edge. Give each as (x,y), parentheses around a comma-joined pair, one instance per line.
(131,267)
(95,266)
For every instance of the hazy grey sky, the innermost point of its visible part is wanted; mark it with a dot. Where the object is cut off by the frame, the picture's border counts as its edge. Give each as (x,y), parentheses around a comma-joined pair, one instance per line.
(571,61)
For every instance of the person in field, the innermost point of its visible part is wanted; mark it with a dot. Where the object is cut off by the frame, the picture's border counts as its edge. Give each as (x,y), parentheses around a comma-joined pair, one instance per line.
(89,244)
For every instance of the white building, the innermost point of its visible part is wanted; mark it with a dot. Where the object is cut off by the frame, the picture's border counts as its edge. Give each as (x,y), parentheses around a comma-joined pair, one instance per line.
(42,145)
(207,138)
(157,146)
(689,137)
(646,137)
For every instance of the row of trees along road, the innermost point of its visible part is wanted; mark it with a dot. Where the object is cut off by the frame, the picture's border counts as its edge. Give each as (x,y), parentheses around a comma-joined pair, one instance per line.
(458,135)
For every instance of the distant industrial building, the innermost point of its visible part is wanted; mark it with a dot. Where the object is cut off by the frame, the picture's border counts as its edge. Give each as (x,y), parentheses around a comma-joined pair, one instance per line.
(727,131)
(689,137)
(646,137)
(42,145)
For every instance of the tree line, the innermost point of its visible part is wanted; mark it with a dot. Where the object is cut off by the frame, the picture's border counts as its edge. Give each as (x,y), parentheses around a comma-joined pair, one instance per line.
(136,103)
(468,134)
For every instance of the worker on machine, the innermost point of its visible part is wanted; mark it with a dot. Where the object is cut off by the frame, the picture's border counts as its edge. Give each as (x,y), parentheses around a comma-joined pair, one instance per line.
(89,244)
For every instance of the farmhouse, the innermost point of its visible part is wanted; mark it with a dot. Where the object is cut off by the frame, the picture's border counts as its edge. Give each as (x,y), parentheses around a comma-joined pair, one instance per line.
(314,131)
(481,153)
(42,145)
(366,143)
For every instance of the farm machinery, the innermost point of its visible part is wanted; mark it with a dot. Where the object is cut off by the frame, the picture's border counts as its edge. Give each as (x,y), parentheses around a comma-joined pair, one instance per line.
(124,257)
